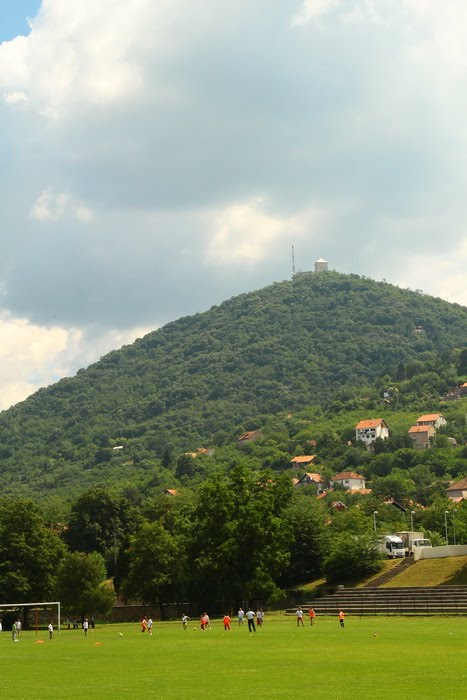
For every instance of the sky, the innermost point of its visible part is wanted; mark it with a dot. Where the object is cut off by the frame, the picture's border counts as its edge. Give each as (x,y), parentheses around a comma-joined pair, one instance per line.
(157,158)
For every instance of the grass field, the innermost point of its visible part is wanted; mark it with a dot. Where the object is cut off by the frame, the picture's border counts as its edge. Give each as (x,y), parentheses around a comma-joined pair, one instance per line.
(408,658)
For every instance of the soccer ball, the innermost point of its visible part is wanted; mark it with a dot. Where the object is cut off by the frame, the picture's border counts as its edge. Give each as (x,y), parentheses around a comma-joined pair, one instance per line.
(120,634)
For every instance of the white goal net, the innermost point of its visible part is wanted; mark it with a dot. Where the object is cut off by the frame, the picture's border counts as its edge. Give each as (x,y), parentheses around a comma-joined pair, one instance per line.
(16,607)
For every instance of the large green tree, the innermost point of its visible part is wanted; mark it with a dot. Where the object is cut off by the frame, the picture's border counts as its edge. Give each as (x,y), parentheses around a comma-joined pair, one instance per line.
(99,522)
(305,519)
(82,587)
(29,553)
(156,566)
(239,545)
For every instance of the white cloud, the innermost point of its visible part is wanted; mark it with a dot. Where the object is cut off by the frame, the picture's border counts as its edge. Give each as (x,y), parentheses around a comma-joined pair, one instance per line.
(311,10)
(54,206)
(447,278)
(78,52)
(15,98)
(244,232)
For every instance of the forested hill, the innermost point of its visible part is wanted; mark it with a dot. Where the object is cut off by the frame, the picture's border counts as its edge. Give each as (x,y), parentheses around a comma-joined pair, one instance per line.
(314,340)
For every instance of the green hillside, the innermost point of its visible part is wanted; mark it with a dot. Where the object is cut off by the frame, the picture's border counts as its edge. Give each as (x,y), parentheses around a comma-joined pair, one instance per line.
(326,341)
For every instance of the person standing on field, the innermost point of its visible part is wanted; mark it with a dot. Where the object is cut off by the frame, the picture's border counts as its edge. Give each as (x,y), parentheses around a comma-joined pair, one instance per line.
(312,616)
(299,615)
(227,622)
(51,629)
(250,616)
(241,615)
(260,617)
(150,626)
(341,618)
(85,626)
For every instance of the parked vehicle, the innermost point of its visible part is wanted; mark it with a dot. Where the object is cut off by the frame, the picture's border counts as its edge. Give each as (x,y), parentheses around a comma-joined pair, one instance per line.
(413,541)
(392,546)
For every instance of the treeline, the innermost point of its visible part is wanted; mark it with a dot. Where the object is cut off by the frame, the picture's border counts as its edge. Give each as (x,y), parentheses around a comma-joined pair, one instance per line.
(242,535)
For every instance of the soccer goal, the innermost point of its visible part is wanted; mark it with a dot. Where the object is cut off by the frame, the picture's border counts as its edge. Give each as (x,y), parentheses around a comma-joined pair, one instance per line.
(14,607)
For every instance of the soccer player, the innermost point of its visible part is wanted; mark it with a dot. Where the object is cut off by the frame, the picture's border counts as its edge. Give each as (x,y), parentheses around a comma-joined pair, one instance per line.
(227,622)
(250,616)
(185,619)
(259,617)
(150,626)
(144,624)
(241,615)
(85,626)
(51,629)
(299,615)
(341,618)
(312,616)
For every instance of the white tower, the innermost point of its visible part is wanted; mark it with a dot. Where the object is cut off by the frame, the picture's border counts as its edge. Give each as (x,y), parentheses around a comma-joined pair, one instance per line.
(321,265)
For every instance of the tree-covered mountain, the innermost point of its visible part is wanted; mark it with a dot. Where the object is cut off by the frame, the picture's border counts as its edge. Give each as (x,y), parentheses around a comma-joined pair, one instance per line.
(322,340)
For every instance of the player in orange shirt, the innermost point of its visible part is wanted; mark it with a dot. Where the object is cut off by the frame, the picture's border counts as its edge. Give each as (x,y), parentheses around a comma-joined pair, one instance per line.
(341,618)
(227,622)
(312,616)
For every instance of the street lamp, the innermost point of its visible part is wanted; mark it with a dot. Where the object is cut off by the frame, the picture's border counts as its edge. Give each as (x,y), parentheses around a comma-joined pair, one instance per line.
(412,513)
(446,525)
(375,513)
(454,525)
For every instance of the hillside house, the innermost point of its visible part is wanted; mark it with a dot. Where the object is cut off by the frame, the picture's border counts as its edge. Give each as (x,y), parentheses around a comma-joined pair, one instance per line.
(436,420)
(368,431)
(350,481)
(457,491)
(421,435)
(312,479)
(302,461)
(249,436)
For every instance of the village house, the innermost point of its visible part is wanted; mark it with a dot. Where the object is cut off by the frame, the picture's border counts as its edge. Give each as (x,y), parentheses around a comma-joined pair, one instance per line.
(436,420)
(312,479)
(368,431)
(302,460)
(249,436)
(421,435)
(349,480)
(457,491)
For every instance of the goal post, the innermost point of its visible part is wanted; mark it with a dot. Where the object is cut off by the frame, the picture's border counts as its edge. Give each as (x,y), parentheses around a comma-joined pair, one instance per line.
(43,606)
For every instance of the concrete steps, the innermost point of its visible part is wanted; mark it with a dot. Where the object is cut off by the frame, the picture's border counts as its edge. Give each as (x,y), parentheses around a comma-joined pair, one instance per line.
(439,600)
(398,568)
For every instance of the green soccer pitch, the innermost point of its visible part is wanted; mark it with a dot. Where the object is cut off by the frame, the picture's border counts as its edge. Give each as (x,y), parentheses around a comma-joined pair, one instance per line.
(377,658)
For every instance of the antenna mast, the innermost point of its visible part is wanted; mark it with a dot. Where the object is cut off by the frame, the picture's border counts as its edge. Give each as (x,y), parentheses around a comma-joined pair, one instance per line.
(293,261)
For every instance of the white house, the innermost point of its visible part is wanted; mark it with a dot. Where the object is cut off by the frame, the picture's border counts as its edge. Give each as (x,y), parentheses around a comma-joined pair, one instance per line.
(312,479)
(436,420)
(370,430)
(350,480)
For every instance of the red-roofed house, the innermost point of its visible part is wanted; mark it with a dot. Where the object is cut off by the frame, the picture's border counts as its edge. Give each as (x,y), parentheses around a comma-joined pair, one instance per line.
(302,460)
(457,491)
(420,436)
(171,492)
(350,480)
(312,479)
(249,436)
(370,430)
(436,420)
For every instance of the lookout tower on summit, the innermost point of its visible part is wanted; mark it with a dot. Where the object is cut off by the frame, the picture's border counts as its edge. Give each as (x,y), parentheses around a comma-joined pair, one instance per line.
(321,265)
